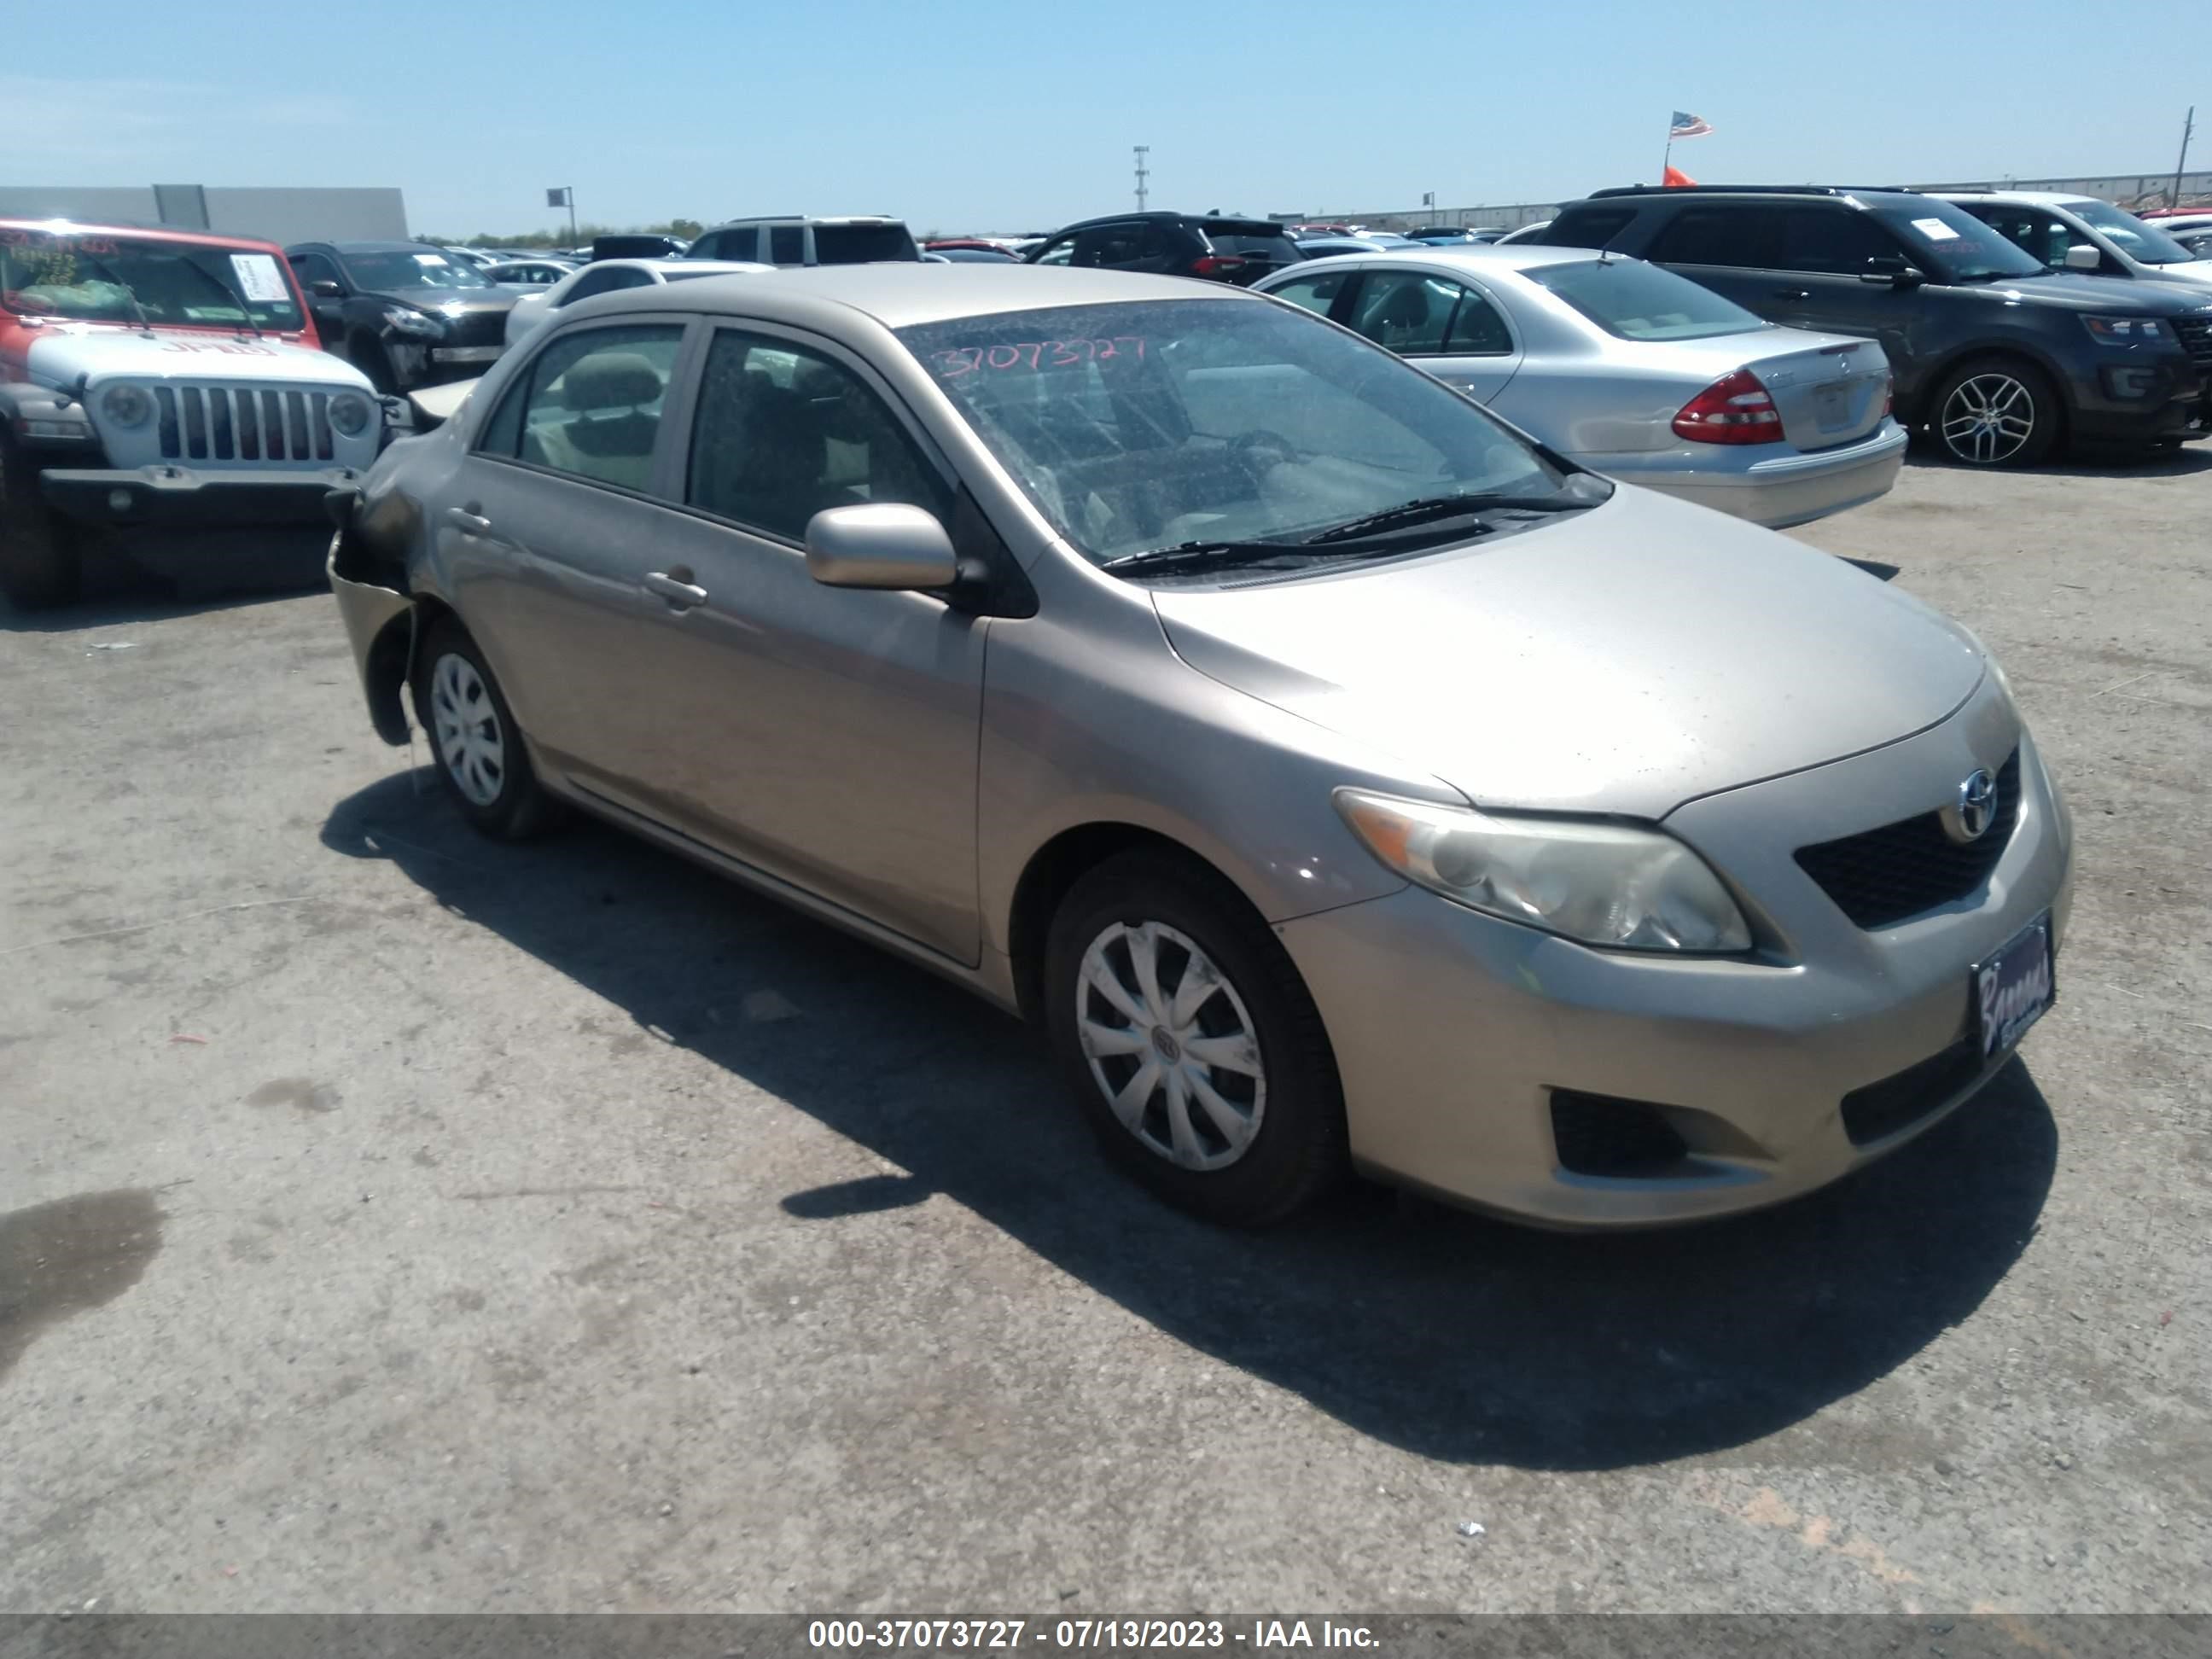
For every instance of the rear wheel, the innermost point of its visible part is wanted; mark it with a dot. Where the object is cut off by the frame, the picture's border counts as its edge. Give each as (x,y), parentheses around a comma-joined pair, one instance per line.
(480,751)
(1194,1047)
(1996,412)
(38,560)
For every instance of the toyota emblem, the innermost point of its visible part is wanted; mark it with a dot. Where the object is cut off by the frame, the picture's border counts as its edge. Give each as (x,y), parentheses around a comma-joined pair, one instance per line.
(1976,810)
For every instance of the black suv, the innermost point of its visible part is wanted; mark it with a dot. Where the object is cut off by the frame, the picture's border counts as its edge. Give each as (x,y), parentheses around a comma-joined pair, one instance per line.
(1216,246)
(1997,357)
(406,314)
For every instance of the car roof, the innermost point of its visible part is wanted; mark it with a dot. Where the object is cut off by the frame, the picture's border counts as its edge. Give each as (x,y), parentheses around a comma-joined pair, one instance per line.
(1865,196)
(809,219)
(2031,197)
(689,267)
(376,247)
(1167,216)
(125,228)
(903,294)
(1472,256)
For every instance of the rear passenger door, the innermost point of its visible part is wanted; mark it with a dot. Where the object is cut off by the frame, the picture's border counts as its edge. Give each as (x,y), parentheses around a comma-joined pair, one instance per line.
(1735,250)
(546,535)
(1462,337)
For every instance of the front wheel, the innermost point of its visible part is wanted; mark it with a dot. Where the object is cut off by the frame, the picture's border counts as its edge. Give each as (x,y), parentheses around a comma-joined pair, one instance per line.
(38,560)
(1194,1047)
(480,750)
(1996,412)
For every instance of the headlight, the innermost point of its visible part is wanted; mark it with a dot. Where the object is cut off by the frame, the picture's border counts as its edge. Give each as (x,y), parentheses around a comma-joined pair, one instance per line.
(349,414)
(2128,331)
(126,405)
(1603,884)
(402,321)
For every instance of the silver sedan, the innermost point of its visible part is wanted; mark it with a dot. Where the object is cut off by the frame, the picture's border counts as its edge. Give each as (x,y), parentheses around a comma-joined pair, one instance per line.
(1341,780)
(1631,371)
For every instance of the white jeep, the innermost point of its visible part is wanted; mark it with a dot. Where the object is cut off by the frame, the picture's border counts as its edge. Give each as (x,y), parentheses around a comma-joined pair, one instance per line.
(160,392)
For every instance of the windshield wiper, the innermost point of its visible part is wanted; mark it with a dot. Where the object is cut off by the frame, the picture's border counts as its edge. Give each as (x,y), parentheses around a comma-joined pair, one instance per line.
(243,310)
(1430,509)
(1203,555)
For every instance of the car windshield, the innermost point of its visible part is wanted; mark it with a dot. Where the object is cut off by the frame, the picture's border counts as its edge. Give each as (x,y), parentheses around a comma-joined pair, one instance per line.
(1152,424)
(2131,235)
(1956,246)
(94,276)
(1639,301)
(407,268)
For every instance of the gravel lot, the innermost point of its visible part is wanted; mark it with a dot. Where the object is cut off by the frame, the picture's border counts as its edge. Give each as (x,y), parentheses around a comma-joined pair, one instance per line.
(389,1220)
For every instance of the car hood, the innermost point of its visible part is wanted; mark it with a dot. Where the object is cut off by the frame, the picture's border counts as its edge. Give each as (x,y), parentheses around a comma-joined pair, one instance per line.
(448,302)
(1623,660)
(2102,296)
(63,355)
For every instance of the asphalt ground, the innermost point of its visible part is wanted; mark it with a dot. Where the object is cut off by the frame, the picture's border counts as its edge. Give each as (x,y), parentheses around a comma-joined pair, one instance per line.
(391,1220)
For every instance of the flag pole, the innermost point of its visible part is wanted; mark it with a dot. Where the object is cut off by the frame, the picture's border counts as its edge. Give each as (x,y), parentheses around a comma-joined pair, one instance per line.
(1667,158)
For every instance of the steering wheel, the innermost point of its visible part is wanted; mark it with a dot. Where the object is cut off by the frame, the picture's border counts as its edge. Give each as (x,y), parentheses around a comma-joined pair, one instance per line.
(1259,449)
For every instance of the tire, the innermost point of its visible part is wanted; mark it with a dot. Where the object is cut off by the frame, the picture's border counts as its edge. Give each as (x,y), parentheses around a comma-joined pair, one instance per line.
(38,560)
(1994,412)
(477,747)
(1270,1141)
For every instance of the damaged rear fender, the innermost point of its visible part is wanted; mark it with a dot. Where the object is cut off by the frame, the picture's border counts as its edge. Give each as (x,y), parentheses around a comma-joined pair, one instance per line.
(381,624)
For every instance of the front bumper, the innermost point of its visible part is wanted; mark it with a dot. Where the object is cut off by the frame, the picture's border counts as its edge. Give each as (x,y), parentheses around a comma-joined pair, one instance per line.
(167,497)
(1452,1030)
(2127,404)
(1774,490)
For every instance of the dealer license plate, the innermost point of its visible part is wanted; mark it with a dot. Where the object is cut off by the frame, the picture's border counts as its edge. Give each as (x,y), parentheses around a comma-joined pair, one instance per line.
(2012,990)
(466,354)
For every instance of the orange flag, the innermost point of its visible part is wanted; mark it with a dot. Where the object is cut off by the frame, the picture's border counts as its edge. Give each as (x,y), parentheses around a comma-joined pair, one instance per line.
(1675,178)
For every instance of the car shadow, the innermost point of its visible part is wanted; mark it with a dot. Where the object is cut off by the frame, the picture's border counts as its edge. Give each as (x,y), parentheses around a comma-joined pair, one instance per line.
(2091,464)
(116,593)
(1453,1336)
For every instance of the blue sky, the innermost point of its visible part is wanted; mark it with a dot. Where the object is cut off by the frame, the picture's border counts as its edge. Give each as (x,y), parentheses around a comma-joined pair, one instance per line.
(989,114)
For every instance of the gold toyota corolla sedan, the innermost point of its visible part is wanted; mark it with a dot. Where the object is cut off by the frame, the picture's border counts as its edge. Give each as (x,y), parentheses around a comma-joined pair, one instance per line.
(1341,778)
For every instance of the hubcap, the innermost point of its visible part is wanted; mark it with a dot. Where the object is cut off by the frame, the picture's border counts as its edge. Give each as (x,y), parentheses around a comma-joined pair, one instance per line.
(467,729)
(1988,419)
(1171,1045)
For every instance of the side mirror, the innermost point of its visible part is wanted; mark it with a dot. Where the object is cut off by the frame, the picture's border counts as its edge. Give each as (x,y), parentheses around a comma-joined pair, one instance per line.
(324,288)
(1893,271)
(2082,257)
(884,545)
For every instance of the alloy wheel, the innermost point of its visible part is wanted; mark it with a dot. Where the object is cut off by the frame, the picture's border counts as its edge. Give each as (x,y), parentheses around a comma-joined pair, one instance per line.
(466,726)
(1988,419)
(1171,1045)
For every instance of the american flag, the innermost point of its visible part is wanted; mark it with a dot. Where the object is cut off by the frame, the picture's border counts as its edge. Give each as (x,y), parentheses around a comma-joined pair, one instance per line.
(1688,126)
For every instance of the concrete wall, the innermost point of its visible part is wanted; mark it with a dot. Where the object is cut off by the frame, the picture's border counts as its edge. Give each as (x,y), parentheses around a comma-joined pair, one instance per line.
(2130,190)
(277,216)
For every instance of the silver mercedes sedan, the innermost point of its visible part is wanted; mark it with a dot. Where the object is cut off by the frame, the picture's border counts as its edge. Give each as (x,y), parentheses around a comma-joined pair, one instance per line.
(1339,779)
(1631,371)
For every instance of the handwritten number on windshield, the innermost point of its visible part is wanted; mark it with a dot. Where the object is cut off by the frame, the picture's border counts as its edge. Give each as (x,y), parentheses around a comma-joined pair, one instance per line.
(1033,355)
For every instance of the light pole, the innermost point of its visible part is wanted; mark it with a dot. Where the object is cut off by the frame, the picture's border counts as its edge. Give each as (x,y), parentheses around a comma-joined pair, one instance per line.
(2188,126)
(1143,172)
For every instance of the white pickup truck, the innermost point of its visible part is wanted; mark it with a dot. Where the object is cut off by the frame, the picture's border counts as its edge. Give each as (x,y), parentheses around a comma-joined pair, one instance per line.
(162,393)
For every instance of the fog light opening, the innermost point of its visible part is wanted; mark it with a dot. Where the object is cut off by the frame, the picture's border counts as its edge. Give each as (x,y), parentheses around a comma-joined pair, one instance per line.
(1625,1139)
(119,501)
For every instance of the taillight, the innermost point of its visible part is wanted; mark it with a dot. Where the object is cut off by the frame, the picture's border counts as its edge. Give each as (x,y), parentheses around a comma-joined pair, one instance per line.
(1215,264)
(1734,410)
(1888,397)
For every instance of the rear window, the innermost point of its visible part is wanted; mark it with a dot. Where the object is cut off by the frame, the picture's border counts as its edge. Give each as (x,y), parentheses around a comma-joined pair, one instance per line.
(861,245)
(1254,244)
(1634,300)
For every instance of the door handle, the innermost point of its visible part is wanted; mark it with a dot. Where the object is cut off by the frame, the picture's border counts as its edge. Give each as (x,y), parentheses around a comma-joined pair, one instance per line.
(1793,293)
(467,519)
(675,586)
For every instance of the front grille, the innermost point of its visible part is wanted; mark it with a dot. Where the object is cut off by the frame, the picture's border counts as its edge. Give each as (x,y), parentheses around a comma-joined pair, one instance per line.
(1904,868)
(1881,1110)
(475,328)
(1600,1135)
(2196,333)
(242,424)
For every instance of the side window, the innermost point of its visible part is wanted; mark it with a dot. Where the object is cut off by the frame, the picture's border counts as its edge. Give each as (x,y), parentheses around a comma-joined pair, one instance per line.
(1110,246)
(1316,294)
(1405,312)
(783,433)
(2032,230)
(313,268)
(1477,330)
(786,245)
(1835,241)
(1748,236)
(610,281)
(1056,253)
(590,405)
(1585,226)
(707,247)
